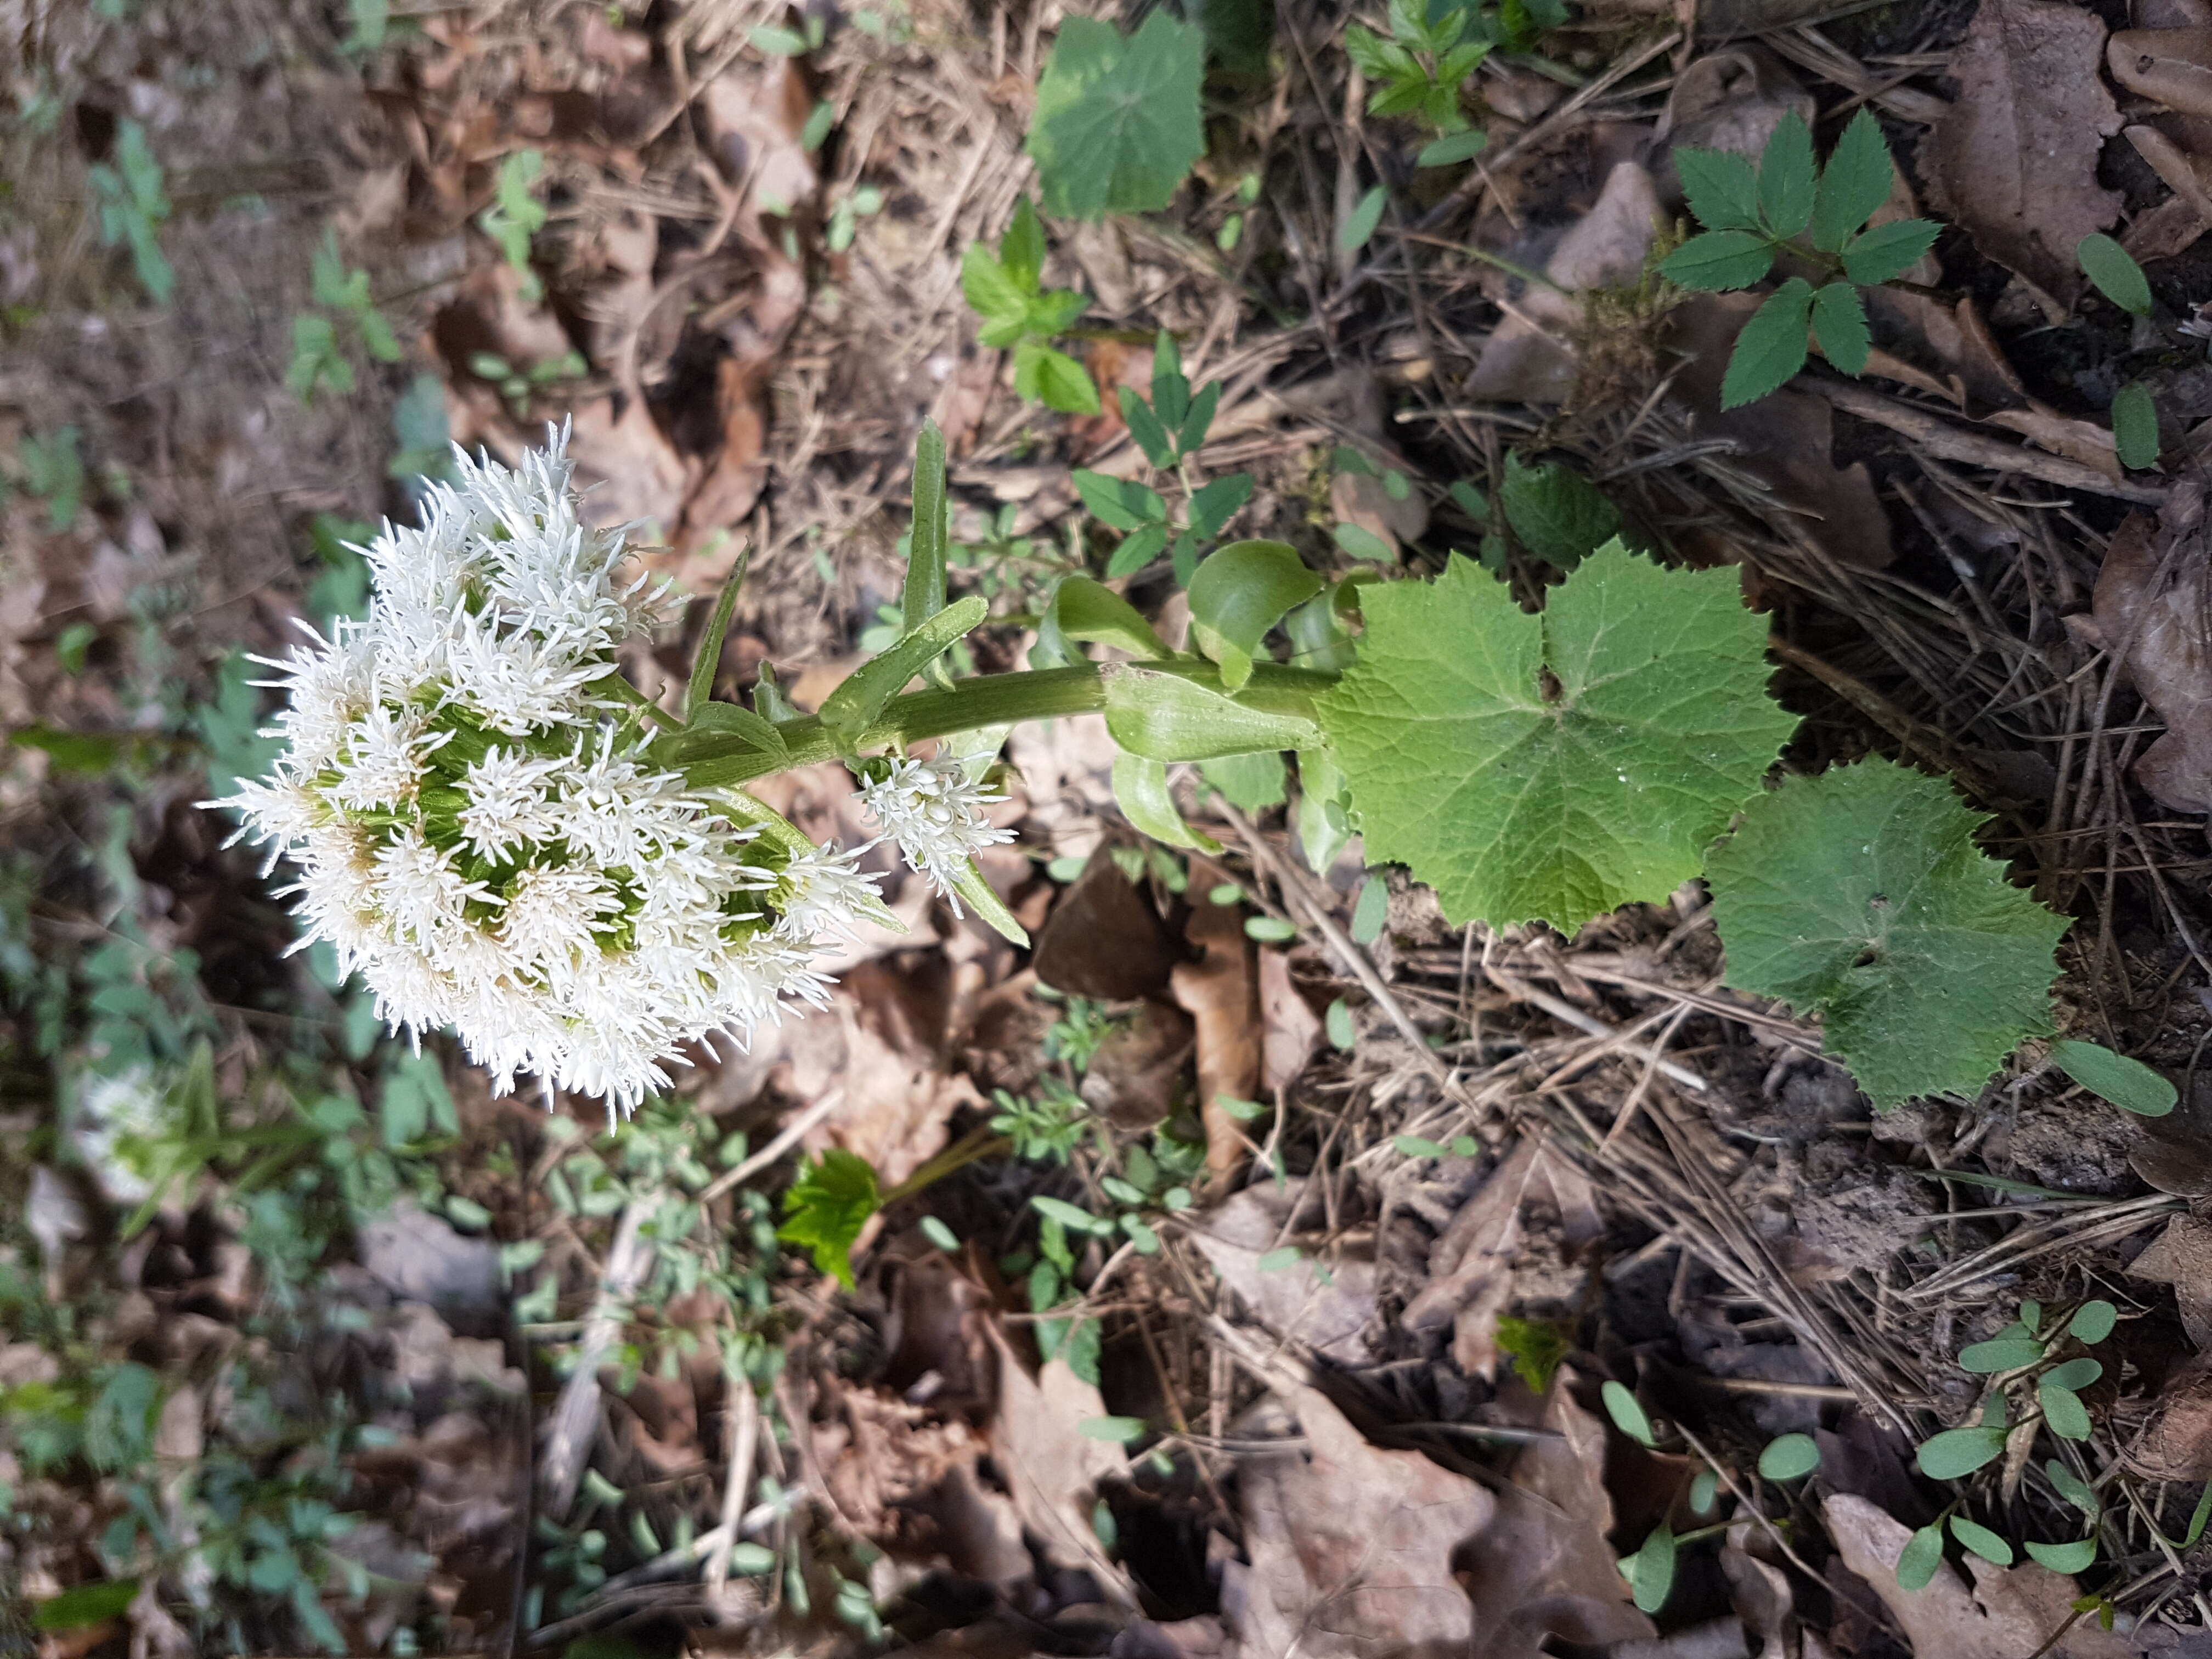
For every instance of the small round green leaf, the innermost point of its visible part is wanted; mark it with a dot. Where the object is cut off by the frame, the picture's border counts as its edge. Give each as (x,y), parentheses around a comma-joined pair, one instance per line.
(2115,272)
(2135,426)
(1342,1034)
(2007,1354)
(1118,1430)
(1270,930)
(1652,1571)
(1627,1413)
(2064,1412)
(2065,1558)
(2094,1322)
(2128,1084)
(1371,909)
(1453,148)
(1703,1488)
(1956,1453)
(938,1234)
(2076,1373)
(1981,1539)
(1924,1554)
(1789,1458)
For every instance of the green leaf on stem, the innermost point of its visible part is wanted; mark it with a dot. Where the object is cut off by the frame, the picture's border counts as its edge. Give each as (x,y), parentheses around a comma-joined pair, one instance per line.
(1722,187)
(2128,1084)
(1771,346)
(1888,250)
(1789,1457)
(1839,323)
(867,690)
(2077,1557)
(1090,612)
(1788,177)
(2115,272)
(2064,1413)
(924,565)
(1054,379)
(1923,1554)
(1140,790)
(1855,183)
(1957,1453)
(2135,426)
(1719,260)
(1651,1575)
(1359,224)
(1981,1539)
(1239,594)
(2094,1322)
(1171,718)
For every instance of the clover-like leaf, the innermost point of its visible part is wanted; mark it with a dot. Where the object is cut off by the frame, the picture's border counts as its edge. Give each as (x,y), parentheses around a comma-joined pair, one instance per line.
(1771,346)
(1856,181)
(1117,124)
(1554,767)
(1860,895)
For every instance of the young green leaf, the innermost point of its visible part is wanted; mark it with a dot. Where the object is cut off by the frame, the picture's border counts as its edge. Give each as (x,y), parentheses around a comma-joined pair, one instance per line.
(1651,1577)
(2115,272)
(1887,251)
(1241,592)
(1118,1430)
(2135,426)
(991,294)
(1359,224)
(2064,1413)
(1559,515)
(924,594)
(1722,188)
(1140,790)
(2073,1488)
(1923,1554)
(1606,756)
(1191,433)
(1981,1539)
(1788,177)
(1453,148)
(1213,504)
(1092,612)
(827,1207)
(1771,346)
(1719,260)
(1371,910)
(1627,1413)
(1144,426)
(2128,1084)
(2198,1518)
(863,694)
(2077,1557)
(1956,1453)
(1856,181)
(1117,122)
(2000,1354)
(1054,379)
(1860,895)
(2092,1323)
(1839,323)
(2076,1374)
(1705,1486)
(1122,504)
(1789,1456)
(1022,249)
(1251,783)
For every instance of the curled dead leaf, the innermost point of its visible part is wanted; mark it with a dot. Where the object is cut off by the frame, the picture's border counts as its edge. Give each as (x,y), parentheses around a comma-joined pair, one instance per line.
(2182,1257)
(1221,992)
(2177,1444)
(2154,604)
(1325,1306)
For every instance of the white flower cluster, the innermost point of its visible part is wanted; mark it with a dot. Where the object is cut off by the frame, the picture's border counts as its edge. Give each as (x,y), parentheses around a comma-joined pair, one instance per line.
(934,811)
(478,839)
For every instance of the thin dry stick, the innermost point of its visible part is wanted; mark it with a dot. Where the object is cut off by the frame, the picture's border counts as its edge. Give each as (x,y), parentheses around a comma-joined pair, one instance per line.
(831,1101)
(569,1434)
(1634,1104)
(1560,1009)
(744,1406)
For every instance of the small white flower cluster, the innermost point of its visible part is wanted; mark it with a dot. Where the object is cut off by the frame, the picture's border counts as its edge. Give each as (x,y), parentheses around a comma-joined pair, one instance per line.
(934,811)
(479,840)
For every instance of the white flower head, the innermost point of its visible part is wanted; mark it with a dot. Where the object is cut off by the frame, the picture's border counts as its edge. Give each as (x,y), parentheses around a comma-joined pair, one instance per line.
(482,836)
(934,811)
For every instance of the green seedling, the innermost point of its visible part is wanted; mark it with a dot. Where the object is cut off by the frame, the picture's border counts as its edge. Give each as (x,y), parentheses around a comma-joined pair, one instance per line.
(1005,291)
(516,215)
(132,207)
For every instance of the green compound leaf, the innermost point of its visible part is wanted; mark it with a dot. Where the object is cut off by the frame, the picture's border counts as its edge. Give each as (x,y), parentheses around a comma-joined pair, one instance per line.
(1856,182)
(1956,1453)
(1787,177)
(1860,895)
(827,1207)
(1117,125)
(1924,1554)
(1718,260)
(1839,322)
(2115,272)
(1981,1539)
(1559,766)
(1788,1457)
(1889,250)
(2135,426)
(2128,1084)
(1772,347)
(2077,1557)
(1722,188)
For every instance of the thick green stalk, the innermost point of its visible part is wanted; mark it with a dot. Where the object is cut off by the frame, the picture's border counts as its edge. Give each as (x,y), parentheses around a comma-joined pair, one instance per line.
(717,758)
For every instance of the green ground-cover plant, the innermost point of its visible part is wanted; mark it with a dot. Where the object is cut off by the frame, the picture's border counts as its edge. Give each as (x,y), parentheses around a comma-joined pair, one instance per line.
(319,358)
(516,215)
(1006,289)
(2135,413)
(132,206)
(1806,216)
(1117,127)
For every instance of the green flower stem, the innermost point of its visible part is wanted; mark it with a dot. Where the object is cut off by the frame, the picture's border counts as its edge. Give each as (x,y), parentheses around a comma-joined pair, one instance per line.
(992,700)
(976,1143)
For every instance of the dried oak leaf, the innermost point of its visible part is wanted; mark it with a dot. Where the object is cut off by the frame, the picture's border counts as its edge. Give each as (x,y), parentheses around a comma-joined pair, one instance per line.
(1221,992)
(2177,1445)
(1471,1281)
(2153,603)
(2015,161)
(1050,1466)
(1351,1546)
(1323,1305)
(1104,939)
(2006,1612)
(2182,1257)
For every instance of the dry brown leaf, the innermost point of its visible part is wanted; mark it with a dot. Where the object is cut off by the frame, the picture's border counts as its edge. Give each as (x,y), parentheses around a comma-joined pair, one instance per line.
(1104,937)
(1351,1546)
(2171,65)
(1733,101)
(1052,1469)
(1221,993)
(1785,440)
(2015,160)
(1137,1071)
(1324,1305)
(2085,441)
(2182,1257)
(2177,1445)
(2006,1613)
(1291,1028)
(1471,1265)
(2153,602)
(1361,497)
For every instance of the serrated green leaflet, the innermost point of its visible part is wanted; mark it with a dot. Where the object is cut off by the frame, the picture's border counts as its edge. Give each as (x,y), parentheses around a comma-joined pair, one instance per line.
(2126,1082)
(1787,177)
(1860,895)
(1554,767)
(1719,259)
(827,1207)
(1722,188)
(1839,323)
(1117,124)
(1559,514)
(1890,249)
(1772,347)
(1856,181)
